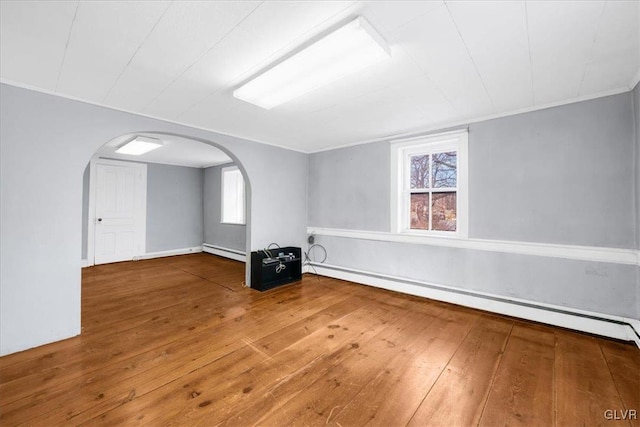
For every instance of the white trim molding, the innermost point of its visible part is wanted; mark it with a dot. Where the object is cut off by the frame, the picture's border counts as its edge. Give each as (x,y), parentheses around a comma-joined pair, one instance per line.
(407,134)
(160,254)
(171,252)
(566,317)
(429,130)
(582,253)
(137,113)
(224,252)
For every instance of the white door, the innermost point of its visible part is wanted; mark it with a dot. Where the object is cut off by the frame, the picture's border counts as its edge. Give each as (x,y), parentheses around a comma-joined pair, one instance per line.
(120,211)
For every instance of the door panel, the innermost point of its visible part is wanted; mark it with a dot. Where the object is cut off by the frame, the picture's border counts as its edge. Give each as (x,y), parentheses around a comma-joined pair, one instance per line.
(120,212)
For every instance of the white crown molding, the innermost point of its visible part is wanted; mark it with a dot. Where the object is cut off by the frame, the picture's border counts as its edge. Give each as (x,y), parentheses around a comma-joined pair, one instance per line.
(172,252)
(399,135)
(566,317)
(583,253)
(110,107)
(463,123)
(160,254)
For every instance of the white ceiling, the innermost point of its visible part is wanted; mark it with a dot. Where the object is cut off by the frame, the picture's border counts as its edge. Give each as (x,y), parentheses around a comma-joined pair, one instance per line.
(174,151)
(452,62)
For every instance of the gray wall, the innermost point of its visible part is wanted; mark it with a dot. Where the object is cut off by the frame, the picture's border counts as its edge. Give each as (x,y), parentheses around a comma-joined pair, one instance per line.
(45,144)
(562,175)
(174,207)
(349,188)
(599,287)
(636,112)
(232,236)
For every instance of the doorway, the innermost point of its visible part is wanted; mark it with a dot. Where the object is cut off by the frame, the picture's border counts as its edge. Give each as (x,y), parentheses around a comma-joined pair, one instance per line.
(117,200)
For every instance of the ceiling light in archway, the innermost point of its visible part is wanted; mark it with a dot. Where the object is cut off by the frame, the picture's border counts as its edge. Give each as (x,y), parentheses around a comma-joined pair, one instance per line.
(140,145)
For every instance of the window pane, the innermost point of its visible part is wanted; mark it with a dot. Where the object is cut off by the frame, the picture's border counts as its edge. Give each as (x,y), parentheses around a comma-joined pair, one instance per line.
(420,171)
(420,211)
(444,170)
(444,211)
(233,197)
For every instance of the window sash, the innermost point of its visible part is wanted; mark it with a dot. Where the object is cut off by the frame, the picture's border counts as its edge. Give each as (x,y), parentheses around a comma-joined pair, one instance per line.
(233,196)
(407,191)
(401,152)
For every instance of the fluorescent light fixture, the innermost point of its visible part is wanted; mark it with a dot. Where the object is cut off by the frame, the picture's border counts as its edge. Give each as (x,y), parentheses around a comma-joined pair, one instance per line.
(139,145)
(348,49)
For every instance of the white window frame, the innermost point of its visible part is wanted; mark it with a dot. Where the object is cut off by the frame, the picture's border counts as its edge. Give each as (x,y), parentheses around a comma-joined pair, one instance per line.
(241,196)
(401,151)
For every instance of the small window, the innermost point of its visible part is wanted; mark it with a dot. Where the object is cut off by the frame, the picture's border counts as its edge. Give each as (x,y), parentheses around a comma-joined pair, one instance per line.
(233,205)
(430,191)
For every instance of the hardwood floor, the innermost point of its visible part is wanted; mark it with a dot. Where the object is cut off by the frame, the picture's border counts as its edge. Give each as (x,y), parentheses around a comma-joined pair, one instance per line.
(179,341)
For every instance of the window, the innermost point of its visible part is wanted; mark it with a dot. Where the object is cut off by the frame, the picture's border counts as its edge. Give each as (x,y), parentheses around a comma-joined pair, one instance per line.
(430,185)
(232,196)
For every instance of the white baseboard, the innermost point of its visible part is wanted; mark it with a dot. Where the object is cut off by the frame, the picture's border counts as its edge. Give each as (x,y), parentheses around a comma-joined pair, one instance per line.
(595,323)
(160,254)
(171,252)
(224,252)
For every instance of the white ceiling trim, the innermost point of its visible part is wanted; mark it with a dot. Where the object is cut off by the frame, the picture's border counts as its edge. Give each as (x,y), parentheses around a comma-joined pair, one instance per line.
(99,104)
(414,133)
(462,123)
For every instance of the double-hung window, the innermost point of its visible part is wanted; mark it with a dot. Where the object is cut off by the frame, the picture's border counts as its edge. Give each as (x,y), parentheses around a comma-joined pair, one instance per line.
(233,199)
(429,196)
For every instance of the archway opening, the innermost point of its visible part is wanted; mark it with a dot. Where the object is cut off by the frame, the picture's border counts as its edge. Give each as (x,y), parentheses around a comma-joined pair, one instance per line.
(184,175)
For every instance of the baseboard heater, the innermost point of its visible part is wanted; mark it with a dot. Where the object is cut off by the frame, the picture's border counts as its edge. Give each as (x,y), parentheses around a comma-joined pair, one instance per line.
(359,276)
(224,252)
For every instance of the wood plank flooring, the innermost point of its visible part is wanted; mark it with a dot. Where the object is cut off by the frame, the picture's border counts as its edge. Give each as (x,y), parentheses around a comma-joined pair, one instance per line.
(179,341)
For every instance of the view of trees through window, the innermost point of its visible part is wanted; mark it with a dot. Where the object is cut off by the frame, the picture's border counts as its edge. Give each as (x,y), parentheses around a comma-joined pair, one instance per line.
(433,182)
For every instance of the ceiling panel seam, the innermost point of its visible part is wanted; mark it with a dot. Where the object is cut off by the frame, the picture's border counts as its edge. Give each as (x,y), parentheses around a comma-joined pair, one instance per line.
(202,55)
(475,66)
(423,71)
(66,46)
(526,17)
(136,52)
(593,48)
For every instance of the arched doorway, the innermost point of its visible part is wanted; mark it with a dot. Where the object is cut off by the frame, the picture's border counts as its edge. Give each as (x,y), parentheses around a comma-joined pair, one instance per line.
(180,153)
